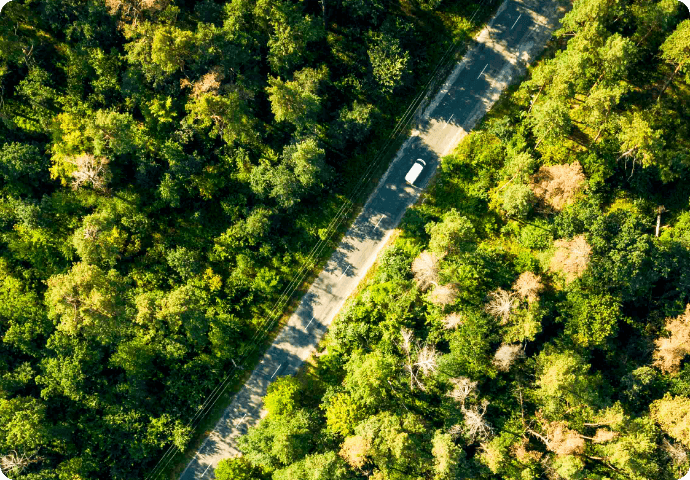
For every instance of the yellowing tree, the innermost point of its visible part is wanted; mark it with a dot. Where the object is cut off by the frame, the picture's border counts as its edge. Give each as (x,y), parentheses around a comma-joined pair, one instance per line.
(572,257)
(671,351)
(673,415)
(558,185)
(342,414)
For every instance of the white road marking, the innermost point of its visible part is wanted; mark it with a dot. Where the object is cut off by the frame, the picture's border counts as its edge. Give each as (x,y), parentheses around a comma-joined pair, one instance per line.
(312,319)
(341,275)
(516,22)
(274,373)
(525,48)
(377,223)
(451,117)
(204,474)
(482,71)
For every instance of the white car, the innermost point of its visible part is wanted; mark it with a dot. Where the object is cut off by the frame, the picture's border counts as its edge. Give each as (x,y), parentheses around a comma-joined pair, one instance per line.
(414,172)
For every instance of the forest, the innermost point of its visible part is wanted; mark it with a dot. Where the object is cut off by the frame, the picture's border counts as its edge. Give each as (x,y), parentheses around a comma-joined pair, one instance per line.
(166,168)
(531,319)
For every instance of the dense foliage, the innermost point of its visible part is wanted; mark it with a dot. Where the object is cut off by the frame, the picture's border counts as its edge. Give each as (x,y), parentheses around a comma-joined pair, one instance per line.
(160,164)
(532,319)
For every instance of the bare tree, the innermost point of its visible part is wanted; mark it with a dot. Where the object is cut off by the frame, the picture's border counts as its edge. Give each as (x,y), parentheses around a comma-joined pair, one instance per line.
(16,463)
(91,232)
(426,359)
(475,424)
(501,303)
(425,270)
(557,185)
(528,286)
(676,451)
(506,355)
(90,169)
(670,351)
(463,388)
(452,321)
(455,431)
(444,294)
(572,257)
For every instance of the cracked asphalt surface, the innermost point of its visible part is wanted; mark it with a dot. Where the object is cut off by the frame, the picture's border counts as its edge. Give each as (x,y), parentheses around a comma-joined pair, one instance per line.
(513,38)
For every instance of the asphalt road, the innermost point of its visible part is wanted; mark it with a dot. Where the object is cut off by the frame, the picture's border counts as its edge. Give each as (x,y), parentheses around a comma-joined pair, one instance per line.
(516,34)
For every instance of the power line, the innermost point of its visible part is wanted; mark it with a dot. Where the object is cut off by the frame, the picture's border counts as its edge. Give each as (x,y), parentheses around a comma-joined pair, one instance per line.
(268,323)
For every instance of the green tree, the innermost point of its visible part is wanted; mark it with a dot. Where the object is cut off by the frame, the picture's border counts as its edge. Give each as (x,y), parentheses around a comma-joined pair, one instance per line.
(389,62)
(518,200)
(291,35)
(24,424)
(296,101)
(184,312)
(171,48)
(354,124)
(278,441)
(394,443)
(317,466)
(447,456)
(638,138)
(238,468)
(594,319)
(22,168)
(631,453)
(100,240)
(365,10)
(22,315)
(470,353)
(453,234)
(676,51)
(367,378)
(86,298)
(563,381)
(228,114)
(282,396)
(300,171)
(184,261)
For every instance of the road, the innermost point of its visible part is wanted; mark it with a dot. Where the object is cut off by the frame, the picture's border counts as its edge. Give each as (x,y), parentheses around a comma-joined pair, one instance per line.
(516,34)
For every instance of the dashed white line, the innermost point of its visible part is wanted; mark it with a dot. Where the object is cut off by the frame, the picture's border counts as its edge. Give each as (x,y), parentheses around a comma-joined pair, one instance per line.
(516,21)
(341,275)
(274,373)
(204,474)
(377,223)
(312,319)
(482,71)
